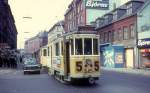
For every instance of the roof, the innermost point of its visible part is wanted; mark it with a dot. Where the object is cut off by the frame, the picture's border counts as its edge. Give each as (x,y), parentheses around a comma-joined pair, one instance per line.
(124,6)
(144,6)
(59,23)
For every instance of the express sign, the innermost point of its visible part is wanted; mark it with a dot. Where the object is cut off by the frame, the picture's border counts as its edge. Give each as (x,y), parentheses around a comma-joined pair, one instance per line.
(102,4)
(144,43)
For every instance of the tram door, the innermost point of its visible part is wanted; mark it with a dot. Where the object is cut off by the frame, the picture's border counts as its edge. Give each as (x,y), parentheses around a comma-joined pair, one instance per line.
(67,55)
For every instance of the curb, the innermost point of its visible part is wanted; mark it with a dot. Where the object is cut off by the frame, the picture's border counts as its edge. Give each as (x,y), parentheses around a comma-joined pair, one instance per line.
(143,72)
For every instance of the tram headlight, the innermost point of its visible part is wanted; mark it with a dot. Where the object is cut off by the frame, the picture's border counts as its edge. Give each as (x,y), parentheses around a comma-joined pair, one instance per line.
(78,66)
(96,66)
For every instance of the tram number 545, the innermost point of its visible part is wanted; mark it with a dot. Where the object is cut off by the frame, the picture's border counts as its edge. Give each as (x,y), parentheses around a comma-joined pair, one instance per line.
(96,66)
(79,66)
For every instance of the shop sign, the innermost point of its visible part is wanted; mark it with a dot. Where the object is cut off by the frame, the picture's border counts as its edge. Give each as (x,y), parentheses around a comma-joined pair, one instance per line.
(99,4)
(144,43)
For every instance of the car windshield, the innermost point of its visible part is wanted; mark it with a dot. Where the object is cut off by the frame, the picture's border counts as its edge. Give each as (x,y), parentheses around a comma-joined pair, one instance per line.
(30,61)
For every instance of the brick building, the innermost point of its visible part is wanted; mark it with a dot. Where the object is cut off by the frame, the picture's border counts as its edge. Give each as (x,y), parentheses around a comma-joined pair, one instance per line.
(119,28)
(82,13)
(33,45)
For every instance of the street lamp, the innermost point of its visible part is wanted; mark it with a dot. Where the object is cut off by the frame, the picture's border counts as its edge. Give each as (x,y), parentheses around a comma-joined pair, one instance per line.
(27,17)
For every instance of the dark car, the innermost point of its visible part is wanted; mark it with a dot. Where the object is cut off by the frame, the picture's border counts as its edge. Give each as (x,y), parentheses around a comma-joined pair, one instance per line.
(30,65)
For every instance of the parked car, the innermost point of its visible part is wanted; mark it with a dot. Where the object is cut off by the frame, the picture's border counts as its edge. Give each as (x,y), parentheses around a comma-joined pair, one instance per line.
(30,65)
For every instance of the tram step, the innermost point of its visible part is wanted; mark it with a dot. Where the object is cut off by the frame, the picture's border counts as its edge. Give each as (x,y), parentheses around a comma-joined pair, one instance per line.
(67,78)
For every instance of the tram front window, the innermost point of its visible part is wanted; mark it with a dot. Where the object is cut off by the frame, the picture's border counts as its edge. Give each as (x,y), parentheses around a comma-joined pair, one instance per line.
(88,46)
(78,47)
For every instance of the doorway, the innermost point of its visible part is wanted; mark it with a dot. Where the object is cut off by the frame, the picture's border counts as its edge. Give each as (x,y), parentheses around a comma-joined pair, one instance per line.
(129,58)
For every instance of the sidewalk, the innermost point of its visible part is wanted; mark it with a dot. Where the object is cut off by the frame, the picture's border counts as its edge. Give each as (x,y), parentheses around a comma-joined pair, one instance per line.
(145,72)
(6,71)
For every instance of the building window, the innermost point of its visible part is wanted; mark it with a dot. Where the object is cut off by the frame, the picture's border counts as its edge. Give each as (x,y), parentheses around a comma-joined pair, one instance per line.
(97,23)
(44,52)
(78,9)
(101,37)
(78,47)
(125,33)
(82,6)
(109,36)
(57,49)
(112,35)
(78,20)
(105,37)
(132,31)
(81,20)
(115,15)
(129,9)
(115,35)
(87,46)
(120,34)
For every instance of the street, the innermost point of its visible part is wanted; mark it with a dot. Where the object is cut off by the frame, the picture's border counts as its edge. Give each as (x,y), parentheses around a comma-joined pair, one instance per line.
(14,81)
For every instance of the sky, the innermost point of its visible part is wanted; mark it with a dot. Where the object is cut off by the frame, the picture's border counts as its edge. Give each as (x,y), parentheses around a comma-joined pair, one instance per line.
(44,13)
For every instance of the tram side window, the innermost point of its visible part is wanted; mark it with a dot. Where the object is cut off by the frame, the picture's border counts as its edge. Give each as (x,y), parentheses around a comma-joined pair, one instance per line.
(44,52)
(57,49)
(62,49)
(88,46)
(95,46)
(48,51)
(78,47)
(72,47)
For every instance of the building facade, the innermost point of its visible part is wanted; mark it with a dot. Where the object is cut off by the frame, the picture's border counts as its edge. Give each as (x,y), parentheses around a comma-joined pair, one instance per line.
(119,28)
(56,31)
(33,45)
(82,13)
(8,31)
(143,43)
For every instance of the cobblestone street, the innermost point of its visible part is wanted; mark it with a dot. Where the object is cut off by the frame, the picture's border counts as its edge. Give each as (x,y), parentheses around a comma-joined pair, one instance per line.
(13,81)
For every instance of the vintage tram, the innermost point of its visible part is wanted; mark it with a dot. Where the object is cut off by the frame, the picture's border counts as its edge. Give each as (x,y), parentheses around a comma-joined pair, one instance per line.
(73,56)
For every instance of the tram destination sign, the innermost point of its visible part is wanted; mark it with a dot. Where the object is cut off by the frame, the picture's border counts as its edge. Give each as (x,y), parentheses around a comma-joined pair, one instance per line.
(98,4)
(144,43)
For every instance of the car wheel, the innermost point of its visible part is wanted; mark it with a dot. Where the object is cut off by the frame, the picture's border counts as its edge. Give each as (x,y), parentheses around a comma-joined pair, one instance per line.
(38,72)
(25,73)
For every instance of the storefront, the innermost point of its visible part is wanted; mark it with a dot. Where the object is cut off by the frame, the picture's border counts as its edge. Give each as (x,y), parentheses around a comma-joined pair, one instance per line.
(112,56)
(144,52)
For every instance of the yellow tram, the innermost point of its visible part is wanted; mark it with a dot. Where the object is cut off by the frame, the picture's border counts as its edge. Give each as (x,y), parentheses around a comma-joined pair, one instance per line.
(73,56)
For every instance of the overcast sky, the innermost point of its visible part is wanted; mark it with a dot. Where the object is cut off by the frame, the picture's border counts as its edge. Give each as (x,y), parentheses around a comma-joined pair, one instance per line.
(43,13)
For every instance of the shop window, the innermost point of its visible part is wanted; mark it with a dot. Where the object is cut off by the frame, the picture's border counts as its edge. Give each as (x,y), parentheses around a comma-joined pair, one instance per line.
(87,46)
(78,47)
(95,46)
